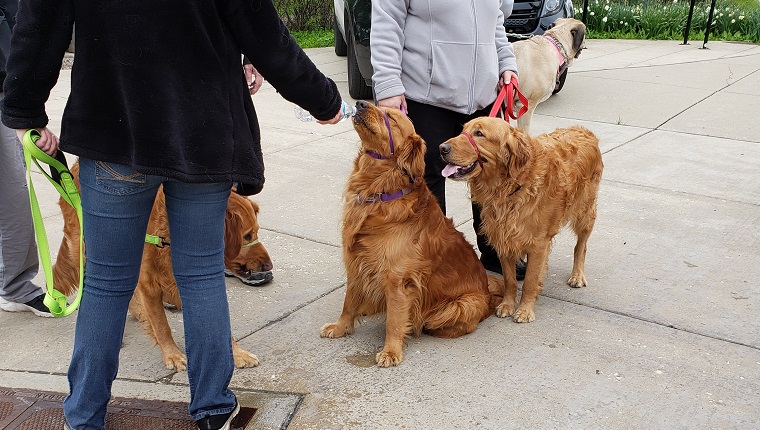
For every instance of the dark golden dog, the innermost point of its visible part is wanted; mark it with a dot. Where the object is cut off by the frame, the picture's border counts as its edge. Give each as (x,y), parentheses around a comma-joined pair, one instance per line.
(528,189)
(541,60)
(156,285)
(403,257)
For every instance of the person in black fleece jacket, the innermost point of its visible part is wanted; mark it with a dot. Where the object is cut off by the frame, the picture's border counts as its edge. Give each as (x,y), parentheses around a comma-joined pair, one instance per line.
(158,97)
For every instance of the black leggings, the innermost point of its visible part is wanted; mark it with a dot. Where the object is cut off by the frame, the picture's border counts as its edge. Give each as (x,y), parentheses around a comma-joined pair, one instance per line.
(437,125)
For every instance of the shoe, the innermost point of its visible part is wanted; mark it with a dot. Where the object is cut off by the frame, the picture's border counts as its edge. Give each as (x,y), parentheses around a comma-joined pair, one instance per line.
(496,268)
(66,426)
(254,279)
(219,421)
(36,306)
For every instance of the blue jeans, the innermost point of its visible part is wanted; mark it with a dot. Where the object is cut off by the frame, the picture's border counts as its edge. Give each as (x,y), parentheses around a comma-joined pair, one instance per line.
(116,204)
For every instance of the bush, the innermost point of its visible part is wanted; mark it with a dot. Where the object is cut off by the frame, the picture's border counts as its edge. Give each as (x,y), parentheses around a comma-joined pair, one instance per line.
(306,15)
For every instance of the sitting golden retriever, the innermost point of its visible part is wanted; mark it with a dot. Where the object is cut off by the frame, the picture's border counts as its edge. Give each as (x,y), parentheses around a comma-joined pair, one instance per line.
(528,189)
(403,257)
(156,285)
(543,60)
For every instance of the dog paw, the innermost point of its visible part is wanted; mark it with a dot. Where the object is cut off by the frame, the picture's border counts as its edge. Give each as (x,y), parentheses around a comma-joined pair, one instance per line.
(505,310)
(577,281)
(334,330)
(524,315)
(175,361)
(388,358)
(244,359)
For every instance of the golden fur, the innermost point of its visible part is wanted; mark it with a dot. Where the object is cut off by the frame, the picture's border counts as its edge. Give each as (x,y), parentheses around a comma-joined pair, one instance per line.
(156,284)
(537,62)
(528,189)
(403,257)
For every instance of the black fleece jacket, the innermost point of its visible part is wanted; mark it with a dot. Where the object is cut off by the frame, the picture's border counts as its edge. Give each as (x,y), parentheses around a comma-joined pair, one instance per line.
(159,85)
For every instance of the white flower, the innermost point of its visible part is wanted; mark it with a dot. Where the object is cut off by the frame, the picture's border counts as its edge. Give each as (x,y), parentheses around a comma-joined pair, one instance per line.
(606,7)
(741,16)
(604,19)
(733,21)
(621,22)
(591,13)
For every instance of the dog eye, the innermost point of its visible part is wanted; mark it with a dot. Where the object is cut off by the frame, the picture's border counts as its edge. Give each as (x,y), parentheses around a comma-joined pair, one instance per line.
(248,237)
(478,133)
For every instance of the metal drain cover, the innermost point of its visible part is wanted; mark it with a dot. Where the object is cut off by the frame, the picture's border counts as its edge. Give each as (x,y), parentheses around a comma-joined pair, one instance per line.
(22,409)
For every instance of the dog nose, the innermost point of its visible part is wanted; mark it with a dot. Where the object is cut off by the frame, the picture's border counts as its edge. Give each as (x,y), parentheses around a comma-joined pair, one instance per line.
(361,105)
(445,148)
(266,266)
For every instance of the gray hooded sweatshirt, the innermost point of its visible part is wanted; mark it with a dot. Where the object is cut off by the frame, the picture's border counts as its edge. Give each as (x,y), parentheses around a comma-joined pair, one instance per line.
(446,53)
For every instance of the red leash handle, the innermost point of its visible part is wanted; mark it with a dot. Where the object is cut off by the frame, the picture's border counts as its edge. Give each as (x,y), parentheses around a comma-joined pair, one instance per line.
(511,89)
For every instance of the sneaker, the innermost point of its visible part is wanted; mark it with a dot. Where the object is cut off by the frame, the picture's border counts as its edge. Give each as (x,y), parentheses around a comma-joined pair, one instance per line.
(36,306)
(255,279)
(496,268)
(219,421)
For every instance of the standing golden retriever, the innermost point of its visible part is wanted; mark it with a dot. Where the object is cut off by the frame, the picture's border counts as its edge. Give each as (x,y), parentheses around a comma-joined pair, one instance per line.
(528,188)
(156,285)
(541,60)
(403,257)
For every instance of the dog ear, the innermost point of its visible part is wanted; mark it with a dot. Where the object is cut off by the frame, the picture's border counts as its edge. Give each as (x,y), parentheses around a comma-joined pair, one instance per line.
(233,224)
(579,34)
(255,207)
(411,156)
(515,150)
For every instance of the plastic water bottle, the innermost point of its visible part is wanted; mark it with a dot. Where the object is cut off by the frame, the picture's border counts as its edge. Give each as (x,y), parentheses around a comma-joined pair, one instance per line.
(346,111)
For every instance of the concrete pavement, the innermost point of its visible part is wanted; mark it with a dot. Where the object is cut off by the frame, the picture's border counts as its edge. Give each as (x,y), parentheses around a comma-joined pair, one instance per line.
(666,335)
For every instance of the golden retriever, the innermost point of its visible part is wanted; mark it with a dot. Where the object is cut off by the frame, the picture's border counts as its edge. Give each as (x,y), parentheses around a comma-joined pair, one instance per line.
(403,257)
(541,60)
(528,189)
(156,285)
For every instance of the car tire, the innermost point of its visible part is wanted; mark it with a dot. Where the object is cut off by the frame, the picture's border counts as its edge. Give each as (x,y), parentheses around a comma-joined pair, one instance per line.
(340,44)
(357,86)
(560,82)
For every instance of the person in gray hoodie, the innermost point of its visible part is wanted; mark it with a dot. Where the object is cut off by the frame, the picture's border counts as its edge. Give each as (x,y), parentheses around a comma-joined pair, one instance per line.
(443,62)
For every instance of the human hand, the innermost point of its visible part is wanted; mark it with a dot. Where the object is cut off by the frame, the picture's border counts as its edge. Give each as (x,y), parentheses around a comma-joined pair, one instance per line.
(253,78)
(48,141)
(398,102)
(336,119)
(506,76)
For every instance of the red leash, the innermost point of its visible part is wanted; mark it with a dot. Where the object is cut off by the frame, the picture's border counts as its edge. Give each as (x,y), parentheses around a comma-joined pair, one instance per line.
(501,99)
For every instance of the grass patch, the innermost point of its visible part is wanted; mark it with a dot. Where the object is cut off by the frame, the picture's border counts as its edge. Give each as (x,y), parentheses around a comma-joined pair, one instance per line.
(314,39)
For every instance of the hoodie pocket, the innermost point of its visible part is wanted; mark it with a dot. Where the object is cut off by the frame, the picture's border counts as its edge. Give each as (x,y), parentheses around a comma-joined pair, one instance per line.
(451,75)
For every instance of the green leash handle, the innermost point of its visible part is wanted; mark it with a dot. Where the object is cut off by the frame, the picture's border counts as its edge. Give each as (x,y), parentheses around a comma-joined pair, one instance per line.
(63,182)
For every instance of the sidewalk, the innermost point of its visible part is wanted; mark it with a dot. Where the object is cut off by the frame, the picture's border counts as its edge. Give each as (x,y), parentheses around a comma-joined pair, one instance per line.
(666,335)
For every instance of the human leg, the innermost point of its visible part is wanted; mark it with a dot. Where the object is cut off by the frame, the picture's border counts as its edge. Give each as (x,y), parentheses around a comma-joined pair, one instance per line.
(116,206)
(435,125)
(196,215)
(18,250)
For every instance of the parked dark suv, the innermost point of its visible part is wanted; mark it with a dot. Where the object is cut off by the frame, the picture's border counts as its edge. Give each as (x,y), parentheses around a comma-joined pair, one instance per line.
(352,26)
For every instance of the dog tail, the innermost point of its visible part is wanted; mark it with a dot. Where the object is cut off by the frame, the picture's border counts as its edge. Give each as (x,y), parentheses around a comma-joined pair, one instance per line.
(496,288)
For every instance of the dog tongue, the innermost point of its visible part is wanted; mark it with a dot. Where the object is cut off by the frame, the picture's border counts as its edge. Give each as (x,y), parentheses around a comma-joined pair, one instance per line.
(449,170)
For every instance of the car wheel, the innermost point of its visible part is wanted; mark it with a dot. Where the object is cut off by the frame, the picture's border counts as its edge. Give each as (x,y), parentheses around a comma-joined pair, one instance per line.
(560,82)
(340,44)
(357,87)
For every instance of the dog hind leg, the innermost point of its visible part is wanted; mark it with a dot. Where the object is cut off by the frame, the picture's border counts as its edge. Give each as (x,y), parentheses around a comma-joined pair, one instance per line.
(457,317)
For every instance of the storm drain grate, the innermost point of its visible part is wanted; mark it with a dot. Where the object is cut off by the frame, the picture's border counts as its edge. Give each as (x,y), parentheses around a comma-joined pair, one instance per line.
(42,410)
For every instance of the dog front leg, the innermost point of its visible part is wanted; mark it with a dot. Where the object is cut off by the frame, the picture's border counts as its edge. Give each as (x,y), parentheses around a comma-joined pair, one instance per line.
(507,306)
(242,357)
(345,324)
(157,325)
(534,280)
(396,326)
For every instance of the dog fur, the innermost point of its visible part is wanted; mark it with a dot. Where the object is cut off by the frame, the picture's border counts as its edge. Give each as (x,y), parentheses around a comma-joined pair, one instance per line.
(538,63)
(403,257)
(528,189)
(156,285)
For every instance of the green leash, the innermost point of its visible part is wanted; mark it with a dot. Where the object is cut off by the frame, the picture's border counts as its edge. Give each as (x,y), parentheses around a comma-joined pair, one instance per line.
(62,180)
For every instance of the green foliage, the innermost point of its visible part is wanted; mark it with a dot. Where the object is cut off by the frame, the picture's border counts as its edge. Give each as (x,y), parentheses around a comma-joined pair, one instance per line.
(305,15)
(657,19)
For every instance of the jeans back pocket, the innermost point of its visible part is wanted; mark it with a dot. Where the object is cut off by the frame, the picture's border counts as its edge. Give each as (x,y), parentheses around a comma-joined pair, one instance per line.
(119,179)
